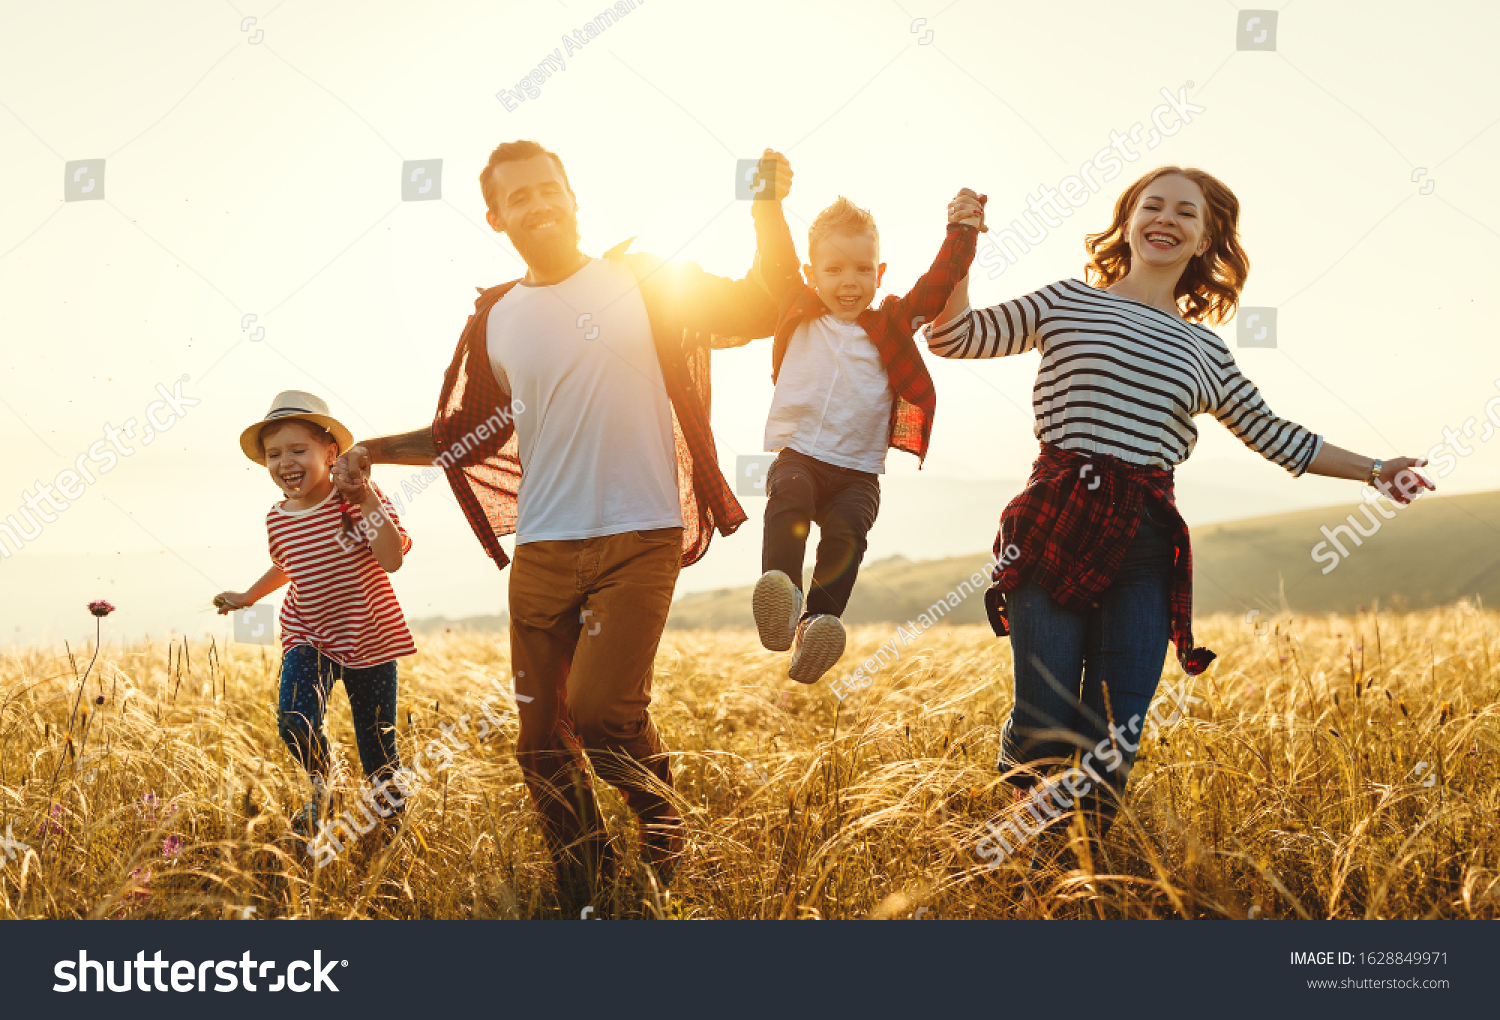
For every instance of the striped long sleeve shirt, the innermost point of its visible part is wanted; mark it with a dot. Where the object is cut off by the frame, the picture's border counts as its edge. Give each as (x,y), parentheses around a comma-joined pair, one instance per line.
(1124,378)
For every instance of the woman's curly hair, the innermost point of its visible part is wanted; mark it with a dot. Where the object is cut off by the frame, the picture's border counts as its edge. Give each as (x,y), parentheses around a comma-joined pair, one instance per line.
(1209,289)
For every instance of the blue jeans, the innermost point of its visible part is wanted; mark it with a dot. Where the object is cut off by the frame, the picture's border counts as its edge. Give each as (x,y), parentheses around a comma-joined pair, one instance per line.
(1066,661)
(307,679)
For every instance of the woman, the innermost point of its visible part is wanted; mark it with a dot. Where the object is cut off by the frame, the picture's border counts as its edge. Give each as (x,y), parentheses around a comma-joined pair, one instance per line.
(1104,577)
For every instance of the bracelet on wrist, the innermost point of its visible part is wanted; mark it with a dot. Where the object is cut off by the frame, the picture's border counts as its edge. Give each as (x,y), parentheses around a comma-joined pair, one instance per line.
(1376,469)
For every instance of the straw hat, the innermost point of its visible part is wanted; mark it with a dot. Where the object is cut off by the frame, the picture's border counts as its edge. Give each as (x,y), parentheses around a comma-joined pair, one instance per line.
(295,404)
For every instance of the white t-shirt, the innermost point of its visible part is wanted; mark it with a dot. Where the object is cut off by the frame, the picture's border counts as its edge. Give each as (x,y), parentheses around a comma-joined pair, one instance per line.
(595,441)
(833,397)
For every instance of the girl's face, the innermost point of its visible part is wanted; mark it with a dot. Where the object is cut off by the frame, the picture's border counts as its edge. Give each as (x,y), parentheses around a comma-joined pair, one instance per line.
(1167,229)
(298,458)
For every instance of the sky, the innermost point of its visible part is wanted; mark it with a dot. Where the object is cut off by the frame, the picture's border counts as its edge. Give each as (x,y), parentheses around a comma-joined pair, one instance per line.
(248,160)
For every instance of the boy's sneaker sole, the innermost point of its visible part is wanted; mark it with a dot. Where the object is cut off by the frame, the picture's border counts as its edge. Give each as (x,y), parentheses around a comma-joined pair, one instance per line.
(776,607)
(821,646)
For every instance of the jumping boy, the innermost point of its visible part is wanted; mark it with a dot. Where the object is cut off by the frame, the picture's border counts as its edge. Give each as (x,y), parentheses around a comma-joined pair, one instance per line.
(850,383)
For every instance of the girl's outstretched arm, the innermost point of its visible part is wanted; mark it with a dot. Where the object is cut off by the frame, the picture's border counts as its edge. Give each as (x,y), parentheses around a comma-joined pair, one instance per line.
(227,601)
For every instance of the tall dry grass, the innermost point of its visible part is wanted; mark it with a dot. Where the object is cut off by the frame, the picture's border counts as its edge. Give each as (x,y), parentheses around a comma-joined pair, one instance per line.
(1293,790)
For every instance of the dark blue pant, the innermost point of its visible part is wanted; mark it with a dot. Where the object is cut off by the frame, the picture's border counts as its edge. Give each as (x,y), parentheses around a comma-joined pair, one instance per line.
(1065,661)
(843,502)
(307,679)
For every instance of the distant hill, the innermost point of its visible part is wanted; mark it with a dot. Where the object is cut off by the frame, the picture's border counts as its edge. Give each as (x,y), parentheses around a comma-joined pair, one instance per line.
(1436,551)
(1433,552)
(438,624)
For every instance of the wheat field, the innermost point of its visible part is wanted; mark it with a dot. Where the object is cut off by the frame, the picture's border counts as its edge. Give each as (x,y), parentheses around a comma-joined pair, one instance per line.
(1333,767)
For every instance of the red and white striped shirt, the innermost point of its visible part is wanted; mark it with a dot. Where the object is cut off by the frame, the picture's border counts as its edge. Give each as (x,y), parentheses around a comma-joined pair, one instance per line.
(340,600)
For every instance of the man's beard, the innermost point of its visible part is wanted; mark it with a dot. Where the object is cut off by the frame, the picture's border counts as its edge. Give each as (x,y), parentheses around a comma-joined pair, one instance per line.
(553,251)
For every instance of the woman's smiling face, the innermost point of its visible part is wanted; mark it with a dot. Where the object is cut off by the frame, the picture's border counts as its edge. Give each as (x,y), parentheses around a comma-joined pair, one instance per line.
(1167,228)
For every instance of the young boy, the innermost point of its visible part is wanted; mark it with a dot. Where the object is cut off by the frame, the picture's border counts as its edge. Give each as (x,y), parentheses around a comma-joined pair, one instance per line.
(850,382)
(341,619)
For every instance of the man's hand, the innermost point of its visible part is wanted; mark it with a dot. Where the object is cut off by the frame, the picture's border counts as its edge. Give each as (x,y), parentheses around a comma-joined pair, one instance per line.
(228,601)
(350,475)
(775,165)
(967,208)
(350,472)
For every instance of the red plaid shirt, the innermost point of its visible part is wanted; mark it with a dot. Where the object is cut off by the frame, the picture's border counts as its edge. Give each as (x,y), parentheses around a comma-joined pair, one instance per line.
(690,312)
(1070,527)
(891,327)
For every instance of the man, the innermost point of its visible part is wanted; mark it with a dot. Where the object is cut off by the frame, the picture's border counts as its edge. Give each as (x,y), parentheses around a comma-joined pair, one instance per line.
(575,413)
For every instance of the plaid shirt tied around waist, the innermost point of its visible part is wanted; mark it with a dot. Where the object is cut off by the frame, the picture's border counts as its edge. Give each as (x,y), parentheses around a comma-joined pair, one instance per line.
(1070,528)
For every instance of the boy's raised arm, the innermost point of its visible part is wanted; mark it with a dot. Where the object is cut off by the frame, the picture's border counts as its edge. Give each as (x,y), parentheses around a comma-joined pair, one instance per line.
(930,294)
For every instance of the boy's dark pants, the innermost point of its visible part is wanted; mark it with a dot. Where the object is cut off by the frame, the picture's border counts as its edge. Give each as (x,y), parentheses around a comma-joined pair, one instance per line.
(843,502)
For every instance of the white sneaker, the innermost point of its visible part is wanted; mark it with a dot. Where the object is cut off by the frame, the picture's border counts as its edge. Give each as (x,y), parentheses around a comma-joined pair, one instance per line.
(818,645)
(778,606)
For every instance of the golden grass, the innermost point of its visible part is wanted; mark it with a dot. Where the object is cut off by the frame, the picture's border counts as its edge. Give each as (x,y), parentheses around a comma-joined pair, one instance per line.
(1294,790)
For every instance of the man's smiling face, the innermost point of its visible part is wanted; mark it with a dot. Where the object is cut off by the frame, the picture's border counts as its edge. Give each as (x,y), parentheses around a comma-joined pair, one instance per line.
(536,209)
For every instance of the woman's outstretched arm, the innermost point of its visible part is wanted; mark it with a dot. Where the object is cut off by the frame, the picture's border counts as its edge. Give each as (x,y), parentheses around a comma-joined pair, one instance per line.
(1398,482)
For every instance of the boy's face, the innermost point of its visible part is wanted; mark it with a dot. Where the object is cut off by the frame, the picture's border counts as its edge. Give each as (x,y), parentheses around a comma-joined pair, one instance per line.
(298,458)
(845,271)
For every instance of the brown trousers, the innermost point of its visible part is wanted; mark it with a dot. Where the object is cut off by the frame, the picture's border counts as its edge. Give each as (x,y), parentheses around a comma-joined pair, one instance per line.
(586,616)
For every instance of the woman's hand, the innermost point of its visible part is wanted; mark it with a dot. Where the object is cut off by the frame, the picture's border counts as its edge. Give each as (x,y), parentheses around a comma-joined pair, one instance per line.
(228,601)
(1399,483)
(967,208)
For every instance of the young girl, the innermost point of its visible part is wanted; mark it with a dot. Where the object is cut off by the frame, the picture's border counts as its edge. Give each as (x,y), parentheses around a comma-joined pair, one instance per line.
(334,543)
(1104,578)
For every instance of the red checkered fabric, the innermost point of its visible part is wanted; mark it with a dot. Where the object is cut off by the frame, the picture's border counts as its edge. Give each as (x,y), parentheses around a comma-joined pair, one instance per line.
(1071,526)
(690,312)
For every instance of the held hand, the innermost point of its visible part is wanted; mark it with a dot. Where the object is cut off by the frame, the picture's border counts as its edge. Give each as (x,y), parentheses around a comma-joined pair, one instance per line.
(780,171)
(228,601)
(350,473)
(351,487)
(355,462)
(1400,483)
(967,208)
